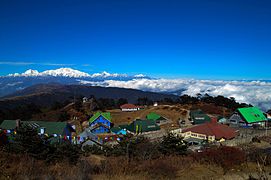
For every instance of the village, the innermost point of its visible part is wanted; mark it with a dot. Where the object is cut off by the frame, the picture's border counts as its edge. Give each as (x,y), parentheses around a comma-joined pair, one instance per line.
(150,133)
(195,127)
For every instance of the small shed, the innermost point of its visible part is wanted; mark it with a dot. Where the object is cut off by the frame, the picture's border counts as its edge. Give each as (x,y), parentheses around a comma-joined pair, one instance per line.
(199,117)
(85,99)
(141,126)
(118,130)
(155,117)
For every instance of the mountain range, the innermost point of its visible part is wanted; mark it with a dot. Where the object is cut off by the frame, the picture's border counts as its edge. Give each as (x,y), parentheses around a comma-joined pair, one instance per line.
(255,92)
(13,82)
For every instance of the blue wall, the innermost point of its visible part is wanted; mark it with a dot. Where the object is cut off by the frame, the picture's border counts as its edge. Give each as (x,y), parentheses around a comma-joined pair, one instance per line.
(101,129)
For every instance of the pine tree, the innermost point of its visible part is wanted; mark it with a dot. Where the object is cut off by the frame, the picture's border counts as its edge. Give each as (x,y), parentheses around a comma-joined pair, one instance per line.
(28,141)
(172,144)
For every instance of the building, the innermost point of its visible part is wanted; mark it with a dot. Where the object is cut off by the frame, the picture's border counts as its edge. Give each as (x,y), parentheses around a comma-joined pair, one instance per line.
(209,131)
(248,116)
(222,120)
(118,130)
(100,122)
(88,138)
(141,126)
(43,127)
(85,99)
(129,107)
(156,118)
(199,117)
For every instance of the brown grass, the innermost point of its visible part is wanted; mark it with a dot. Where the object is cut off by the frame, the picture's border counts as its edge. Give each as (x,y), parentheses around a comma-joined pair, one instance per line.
(213,109)
(100,167)
(173,113)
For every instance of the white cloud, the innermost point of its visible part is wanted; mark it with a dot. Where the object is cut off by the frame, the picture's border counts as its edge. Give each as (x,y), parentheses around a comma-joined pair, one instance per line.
(257,93)
(14,84)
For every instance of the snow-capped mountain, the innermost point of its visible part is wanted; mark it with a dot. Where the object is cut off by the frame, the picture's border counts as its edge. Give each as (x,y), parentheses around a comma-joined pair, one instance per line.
(65,72)
(17,81)
(106,74)
(69,72)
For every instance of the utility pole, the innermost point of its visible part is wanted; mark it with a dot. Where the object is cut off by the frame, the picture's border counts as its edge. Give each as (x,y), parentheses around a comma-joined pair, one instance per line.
(74,96)
(266,122)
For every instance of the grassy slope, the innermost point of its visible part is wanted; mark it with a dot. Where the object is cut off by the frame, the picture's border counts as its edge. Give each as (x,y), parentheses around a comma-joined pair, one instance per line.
(173,113)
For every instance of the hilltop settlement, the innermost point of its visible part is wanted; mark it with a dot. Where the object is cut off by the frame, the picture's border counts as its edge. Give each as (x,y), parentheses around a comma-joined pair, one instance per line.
(190,127)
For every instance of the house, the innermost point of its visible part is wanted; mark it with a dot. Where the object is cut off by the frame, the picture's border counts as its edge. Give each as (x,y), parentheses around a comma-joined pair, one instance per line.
(43,127)
(88,138)
(155,117)
(199,117)
(268,114)
(100,122)
(155,104)
(209,131)
(85,99)
(247,116)
(222,120)
(140,107)
(87,134)
(118,130)
(129,108)
(141,126)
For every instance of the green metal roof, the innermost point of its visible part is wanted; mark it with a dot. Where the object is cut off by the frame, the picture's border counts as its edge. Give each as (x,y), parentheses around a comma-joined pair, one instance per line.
(139,126)
(199,117)
(106,115)
(252,114)
(8,124)
(50,127)
(153,116)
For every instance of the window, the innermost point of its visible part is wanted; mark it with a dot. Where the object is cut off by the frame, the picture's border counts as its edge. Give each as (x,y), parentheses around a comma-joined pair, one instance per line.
(42,130)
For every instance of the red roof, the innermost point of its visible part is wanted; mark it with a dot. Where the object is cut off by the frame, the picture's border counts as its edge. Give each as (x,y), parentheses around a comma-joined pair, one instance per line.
(128,106)
(213,129)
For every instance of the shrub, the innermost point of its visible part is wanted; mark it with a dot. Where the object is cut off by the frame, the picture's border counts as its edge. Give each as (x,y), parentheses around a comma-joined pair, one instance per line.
(224,156)
(172,144)
(64,152)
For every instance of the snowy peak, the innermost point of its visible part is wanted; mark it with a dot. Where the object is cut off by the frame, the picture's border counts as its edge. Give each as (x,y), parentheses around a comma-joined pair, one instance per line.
(31,72)
(140,76)
(65,72)
(106,75)
(72,73)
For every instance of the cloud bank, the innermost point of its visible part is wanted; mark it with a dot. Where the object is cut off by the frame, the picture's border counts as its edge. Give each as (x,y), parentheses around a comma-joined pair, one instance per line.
(257,93)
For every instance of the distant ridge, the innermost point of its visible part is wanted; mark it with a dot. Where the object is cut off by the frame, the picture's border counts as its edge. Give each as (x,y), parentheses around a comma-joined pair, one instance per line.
(47,94)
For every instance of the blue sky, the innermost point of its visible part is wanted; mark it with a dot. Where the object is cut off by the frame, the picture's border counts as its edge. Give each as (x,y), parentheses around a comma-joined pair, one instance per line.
(204,39)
